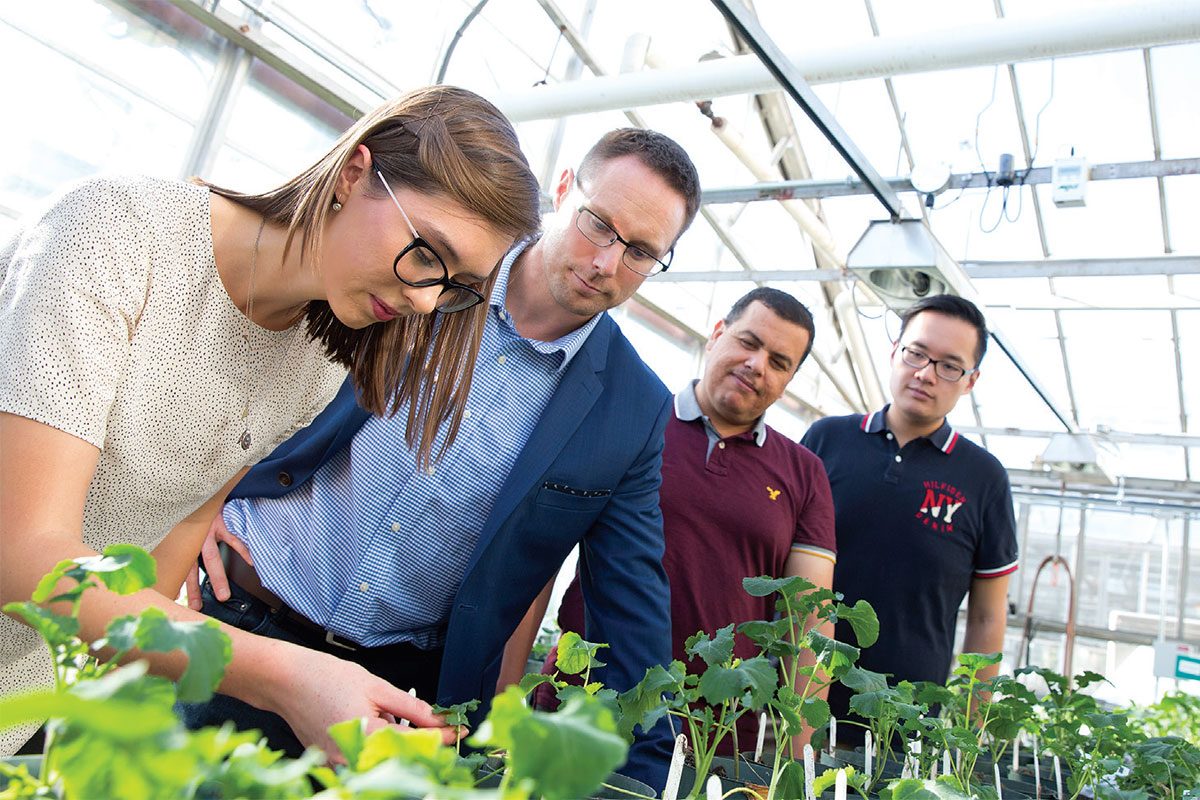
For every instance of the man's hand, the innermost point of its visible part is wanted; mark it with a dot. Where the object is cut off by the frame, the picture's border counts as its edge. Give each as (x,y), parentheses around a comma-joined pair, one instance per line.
(213,567)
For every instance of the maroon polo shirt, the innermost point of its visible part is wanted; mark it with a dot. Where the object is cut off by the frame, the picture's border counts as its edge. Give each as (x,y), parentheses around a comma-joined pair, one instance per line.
(734,510)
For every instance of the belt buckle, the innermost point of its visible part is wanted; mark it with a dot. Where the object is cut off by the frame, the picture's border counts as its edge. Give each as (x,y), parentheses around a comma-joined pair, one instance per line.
(332,638)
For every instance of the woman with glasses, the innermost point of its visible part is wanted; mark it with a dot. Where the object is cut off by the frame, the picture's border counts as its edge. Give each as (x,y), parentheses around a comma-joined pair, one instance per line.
(160,337)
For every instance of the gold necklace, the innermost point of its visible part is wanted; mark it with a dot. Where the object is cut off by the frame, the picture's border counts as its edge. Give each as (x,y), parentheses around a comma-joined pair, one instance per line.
(245,440)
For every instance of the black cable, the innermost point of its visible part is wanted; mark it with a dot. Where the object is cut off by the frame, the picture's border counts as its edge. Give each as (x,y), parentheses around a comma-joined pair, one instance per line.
(441,75)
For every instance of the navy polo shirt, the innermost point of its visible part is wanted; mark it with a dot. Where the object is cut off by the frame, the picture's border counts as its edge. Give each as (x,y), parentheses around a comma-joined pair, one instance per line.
(915,525)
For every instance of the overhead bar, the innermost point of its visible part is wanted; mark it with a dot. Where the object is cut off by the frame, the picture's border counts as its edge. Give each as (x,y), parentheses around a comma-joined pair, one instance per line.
(791,81)
(1071,33)
(1050,268)
(818,189)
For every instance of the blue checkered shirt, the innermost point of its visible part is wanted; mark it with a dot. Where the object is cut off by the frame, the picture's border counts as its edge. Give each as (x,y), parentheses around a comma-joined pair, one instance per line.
(373,548)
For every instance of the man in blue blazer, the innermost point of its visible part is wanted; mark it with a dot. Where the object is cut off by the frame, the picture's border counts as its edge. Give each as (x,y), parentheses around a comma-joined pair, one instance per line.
(421,575)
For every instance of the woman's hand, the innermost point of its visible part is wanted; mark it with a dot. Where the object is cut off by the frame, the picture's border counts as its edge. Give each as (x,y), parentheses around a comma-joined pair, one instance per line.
(321,689)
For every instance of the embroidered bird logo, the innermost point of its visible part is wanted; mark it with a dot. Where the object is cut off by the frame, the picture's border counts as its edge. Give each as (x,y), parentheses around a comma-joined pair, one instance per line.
(773,493)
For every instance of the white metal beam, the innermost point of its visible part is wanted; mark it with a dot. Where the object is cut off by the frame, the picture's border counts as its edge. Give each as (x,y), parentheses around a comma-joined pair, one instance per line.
(1137,25)
(1052,268)
(809,189)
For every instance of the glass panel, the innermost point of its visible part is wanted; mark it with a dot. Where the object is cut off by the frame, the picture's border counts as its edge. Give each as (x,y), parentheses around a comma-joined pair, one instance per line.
(275,130)
(1175,92)
(1189,358)
(126,131)
(1121,219)
(1097,105)
(1153,461)
(1103,345)
(1183,200)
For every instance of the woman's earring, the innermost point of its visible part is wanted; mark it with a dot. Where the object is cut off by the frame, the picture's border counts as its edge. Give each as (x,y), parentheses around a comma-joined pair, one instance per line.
(337,206)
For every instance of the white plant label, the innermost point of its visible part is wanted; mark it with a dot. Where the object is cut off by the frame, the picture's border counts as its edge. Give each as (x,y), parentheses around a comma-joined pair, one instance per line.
(1037,771)
(762,736)
(713,789)
(947,768)
(832,734)
(810,772)
(1057,778)
(675,773)
(839,785)
(405,723)
(1016,753)
(996,776)
(868,756)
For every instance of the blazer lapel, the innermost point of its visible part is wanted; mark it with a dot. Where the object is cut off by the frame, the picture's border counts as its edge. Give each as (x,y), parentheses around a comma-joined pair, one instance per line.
(570,404)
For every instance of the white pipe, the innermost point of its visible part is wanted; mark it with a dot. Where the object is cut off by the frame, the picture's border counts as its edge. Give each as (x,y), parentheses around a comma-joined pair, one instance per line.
(1007,41)
(856,346)
(810,223)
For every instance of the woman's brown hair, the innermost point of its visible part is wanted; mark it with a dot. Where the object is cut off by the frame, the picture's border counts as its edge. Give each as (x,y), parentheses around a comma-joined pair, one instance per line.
(439,140)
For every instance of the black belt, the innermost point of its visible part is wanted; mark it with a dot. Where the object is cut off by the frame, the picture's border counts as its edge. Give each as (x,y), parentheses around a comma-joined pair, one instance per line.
(239,571)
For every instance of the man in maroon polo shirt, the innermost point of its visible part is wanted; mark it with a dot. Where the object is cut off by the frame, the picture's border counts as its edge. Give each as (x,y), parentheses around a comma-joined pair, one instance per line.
(738,498)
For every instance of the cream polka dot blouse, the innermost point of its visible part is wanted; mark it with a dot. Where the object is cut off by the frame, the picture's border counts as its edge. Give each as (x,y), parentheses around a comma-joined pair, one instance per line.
(115,328)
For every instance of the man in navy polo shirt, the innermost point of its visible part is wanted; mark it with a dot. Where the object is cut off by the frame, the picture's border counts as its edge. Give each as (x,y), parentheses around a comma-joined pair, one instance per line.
(924,516)
(738,498)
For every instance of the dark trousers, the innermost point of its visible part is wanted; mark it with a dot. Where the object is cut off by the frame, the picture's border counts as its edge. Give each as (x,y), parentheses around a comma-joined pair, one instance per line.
(403,665)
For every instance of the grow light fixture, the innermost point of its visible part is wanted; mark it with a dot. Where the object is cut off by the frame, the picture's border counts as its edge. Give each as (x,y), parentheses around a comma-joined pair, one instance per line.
(1080,457)
(902,262)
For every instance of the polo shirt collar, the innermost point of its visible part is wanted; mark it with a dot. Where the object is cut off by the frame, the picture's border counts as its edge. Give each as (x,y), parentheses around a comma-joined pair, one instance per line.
(687,409)
(944,438)
(567,346)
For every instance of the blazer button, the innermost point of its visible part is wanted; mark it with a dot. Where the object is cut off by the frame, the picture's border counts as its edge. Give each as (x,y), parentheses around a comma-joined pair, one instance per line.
(285,479)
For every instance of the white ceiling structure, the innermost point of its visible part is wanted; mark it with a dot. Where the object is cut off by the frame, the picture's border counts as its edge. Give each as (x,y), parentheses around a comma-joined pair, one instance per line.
(1098,307)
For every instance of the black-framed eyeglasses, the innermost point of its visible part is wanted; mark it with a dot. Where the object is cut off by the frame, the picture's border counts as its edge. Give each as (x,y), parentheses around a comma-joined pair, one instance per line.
(601,234)
(418,265)
(945,370)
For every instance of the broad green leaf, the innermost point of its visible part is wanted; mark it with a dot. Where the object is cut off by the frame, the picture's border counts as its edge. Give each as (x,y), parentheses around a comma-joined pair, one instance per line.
(508,710)
(827,779)
(569,753)
(755,675)
(872,705)
(787,705)
(120,720)
(934,694)
(124,568)
(576,655)
(815,712)
(836,657)
(791,780)
(45,587)
(862,619)
(772,637)
(206,646)
(717,649)
(644,704)
(533,680)
(1087,678)
(121,634)
(422,745)
(55,629)
(864,680)
(765,586)
(908,789)
(350,736)
(971,663)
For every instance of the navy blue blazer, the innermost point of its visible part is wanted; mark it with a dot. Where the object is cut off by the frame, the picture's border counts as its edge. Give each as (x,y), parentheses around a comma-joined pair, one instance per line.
(588,475)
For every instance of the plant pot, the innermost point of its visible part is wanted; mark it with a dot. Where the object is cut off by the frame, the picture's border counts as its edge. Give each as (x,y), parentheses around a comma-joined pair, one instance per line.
(749,775)
(616,786)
